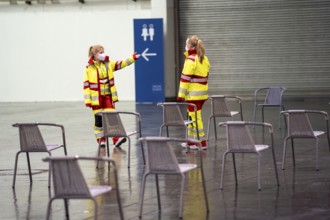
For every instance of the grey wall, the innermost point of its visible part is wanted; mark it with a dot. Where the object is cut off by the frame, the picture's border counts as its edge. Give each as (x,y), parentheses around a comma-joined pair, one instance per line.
(258,43)
(44,47)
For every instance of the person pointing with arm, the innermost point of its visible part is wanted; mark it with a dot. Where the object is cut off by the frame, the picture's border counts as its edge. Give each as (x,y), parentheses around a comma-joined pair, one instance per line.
(100,93)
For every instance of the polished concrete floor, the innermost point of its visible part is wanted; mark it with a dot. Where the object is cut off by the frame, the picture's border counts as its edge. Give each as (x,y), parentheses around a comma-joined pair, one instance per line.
(303,193)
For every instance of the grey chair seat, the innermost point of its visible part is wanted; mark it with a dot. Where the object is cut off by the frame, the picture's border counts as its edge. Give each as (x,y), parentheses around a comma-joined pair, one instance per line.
(51,147)
(98,190)
(187,167)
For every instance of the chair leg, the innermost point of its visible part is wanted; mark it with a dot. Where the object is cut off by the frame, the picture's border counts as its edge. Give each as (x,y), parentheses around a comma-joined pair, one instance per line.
(15,169)
(65,151)
(328,139)
(161,131)
(275,166)
(284,152)
(254,113)
(29,166)
(107,145)
(262,114)
(158,194)
(142,149)
(129,152)
(235,171)
(208,127)
(293,155)
(223,169)
(259,184)
(196,127)
(120,208)
(279,118)
(317,154)
(98,155)
(49,207)
(241,113)
(181,195)
(285,123)
(215,128)
(204,188)
(143,184)
(95,209)
(49,173)
(66,206)
(108,150)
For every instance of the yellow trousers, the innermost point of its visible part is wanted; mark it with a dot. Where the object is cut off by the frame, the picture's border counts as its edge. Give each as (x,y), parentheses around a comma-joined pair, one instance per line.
(192,128)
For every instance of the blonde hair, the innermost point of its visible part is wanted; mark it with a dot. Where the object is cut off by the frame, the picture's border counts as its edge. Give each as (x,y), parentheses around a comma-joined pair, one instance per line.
(199,46)
(94,50)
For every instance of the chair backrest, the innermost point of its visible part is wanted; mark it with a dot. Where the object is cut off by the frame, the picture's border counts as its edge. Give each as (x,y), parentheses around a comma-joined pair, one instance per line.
(274,96)
(299,124)
(112,124)
(219,106)
(68,179)
(172,114)
(30,137)
(160,157)
(239,138)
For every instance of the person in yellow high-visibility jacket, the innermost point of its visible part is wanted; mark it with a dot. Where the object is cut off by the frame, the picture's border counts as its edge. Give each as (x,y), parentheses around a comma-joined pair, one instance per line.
(99,87)
(194,85)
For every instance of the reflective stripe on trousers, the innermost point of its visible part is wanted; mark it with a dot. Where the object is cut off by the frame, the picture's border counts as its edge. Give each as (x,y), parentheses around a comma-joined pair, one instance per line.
(192,131)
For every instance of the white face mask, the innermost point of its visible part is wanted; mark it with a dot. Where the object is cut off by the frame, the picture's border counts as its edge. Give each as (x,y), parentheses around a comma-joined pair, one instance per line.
(187,48)
(101,57)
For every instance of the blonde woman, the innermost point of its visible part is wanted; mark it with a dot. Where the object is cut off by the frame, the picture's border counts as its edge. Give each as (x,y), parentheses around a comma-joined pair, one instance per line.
(99,87)
(194,85)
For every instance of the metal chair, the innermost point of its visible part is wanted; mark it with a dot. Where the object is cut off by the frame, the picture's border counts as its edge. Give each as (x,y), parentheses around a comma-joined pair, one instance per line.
(239,140)
(172,116)
(160,159)
(299,126)
(272,97)
(220,108)
(113,127)
(69,182)
(31,141)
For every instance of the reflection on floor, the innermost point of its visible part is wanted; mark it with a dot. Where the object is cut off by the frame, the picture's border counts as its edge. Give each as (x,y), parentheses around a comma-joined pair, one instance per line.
(303,193)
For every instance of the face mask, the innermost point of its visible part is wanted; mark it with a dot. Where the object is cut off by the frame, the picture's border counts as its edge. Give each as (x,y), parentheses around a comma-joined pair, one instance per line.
(187,48)
(101,57)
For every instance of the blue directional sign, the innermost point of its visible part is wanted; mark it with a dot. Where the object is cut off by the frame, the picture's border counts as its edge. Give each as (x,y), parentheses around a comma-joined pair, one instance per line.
(149,69)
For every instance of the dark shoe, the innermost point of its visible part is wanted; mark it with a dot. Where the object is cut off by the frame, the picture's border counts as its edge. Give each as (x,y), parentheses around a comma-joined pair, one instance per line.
(120,141)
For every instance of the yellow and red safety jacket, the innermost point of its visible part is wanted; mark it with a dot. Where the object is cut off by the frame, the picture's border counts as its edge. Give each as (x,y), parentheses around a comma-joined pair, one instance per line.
(194,78)
(99,79)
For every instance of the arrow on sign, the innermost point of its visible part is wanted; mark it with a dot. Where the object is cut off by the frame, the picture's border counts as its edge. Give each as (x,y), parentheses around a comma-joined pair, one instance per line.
(145,54)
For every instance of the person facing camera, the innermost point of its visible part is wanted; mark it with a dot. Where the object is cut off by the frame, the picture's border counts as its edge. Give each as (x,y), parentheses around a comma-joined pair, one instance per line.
(100,92)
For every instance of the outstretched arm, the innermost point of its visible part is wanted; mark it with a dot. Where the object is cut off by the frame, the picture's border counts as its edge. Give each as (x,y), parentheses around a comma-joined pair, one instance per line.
(117,65)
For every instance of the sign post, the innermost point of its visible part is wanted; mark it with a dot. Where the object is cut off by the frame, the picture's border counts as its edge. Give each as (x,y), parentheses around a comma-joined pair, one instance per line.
(149,70)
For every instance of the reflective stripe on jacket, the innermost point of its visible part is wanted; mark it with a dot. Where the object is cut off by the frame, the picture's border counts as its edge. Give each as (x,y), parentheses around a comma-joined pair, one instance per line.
(194,77)
(99,79)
